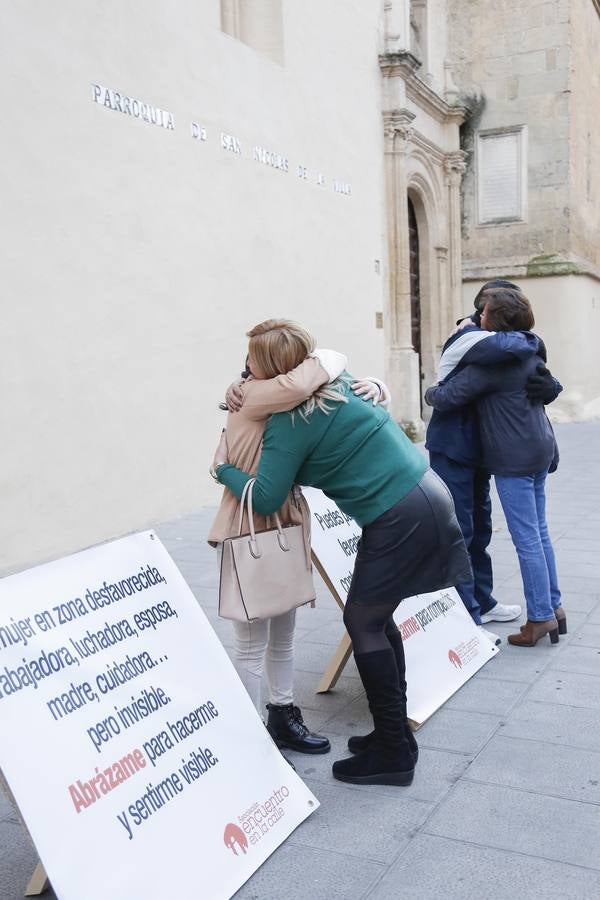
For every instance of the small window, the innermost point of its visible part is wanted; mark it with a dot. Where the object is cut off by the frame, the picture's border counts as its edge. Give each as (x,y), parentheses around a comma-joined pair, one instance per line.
(502,175)
(257,23)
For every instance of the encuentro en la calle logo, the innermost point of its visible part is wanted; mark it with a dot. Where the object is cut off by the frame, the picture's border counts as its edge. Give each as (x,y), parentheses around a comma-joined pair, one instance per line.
(255,822)
(235,839)
(455,659)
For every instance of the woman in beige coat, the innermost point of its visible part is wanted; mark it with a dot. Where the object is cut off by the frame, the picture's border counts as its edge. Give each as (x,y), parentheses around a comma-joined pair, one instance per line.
(269,644)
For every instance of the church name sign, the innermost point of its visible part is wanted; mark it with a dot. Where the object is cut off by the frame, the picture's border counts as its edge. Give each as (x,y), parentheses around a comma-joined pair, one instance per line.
(162,118)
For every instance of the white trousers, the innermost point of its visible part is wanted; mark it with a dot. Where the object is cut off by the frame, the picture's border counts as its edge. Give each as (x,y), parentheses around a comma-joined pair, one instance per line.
(266,645)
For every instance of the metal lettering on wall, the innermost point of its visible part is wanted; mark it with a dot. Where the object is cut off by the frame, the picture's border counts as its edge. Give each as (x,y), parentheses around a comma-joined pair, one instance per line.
(131,106)
(230,144)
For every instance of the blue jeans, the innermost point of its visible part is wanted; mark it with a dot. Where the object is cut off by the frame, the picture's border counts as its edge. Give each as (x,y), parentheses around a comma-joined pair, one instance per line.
(470,489)
(524,503)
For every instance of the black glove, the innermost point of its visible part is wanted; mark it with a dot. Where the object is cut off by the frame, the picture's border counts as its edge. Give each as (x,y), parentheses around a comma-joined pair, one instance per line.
(541,386)
(475,318)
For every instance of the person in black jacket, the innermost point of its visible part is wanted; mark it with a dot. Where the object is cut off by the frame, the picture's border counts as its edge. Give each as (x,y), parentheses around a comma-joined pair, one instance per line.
(518,448)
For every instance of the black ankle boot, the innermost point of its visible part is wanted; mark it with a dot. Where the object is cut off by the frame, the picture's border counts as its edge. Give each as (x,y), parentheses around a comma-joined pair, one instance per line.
(388,760)
(359,743)
(377,765)
(286,727)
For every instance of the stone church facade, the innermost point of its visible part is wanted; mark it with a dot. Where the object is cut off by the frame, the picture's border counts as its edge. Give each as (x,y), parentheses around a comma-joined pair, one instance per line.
(490,117)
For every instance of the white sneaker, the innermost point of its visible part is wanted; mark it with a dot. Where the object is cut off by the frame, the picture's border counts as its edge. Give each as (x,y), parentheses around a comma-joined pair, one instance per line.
(501,612)
(494,638)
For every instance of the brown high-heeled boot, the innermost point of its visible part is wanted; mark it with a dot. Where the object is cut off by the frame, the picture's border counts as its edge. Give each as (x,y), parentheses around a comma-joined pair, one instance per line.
(531,633)
(561,618)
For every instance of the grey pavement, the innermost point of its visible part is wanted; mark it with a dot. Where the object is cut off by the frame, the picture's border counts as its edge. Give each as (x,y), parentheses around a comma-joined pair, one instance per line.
(506,798)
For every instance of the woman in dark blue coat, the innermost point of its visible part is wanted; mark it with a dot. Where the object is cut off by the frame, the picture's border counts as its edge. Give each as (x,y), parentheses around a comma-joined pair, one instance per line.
(519,448)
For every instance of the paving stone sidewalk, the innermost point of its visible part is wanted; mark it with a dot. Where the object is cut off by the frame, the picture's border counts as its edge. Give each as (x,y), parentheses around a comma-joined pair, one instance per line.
(506,799)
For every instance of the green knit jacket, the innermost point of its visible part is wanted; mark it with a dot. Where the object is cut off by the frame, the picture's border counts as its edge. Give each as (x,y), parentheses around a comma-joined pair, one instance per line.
(355,453)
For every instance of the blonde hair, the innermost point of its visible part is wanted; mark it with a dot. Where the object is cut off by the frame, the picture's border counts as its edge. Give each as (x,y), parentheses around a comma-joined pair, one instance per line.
(278,346)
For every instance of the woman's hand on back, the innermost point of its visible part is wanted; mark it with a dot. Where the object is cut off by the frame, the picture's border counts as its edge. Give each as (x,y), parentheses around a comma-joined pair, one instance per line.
(234,396)
(370,389)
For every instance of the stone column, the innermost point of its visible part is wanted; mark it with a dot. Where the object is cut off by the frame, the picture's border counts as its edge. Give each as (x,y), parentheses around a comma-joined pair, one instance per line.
(402,363)
(441,326)
(397,25)
(454,169)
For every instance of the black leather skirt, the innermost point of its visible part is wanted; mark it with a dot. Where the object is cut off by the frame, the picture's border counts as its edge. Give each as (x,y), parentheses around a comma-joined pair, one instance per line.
(413,548)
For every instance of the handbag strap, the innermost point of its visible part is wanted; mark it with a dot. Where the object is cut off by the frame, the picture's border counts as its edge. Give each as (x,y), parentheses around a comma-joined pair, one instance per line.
(247,500)
(276,518)
(243,498)
(246,503)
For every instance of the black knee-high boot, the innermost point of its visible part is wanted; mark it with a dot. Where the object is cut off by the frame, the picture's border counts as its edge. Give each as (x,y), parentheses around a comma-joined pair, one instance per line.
(358,743)
(388,759)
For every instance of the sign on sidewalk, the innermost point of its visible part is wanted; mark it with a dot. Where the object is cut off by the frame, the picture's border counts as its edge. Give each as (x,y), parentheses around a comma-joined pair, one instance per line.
(442,645)
(132,749)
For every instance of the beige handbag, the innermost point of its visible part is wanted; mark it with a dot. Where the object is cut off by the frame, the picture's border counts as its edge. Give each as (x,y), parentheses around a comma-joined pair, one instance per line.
(263,574)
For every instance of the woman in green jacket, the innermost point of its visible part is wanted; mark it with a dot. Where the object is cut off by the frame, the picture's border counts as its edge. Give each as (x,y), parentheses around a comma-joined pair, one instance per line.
(411,542)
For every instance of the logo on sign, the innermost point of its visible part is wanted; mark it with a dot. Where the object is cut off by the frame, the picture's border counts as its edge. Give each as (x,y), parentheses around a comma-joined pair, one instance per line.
(234,839)
(255,822)
(455,659)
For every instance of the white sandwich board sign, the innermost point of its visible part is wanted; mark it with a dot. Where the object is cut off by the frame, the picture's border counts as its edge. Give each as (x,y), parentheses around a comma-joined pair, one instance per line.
(128,741)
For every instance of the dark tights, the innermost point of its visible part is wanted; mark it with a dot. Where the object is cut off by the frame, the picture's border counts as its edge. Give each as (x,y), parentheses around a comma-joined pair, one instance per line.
(371,627)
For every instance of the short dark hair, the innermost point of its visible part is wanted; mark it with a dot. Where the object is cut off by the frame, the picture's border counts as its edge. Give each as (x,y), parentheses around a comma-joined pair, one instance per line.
(495,283)
(507,310)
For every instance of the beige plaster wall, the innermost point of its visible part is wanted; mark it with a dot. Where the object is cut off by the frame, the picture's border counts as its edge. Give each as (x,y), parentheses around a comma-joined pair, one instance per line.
(135,257)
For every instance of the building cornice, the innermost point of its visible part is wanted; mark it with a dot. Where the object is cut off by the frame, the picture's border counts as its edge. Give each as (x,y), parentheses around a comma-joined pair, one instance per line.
(401,135)
(402,64)
(552,265)
(431,103)
(398,62)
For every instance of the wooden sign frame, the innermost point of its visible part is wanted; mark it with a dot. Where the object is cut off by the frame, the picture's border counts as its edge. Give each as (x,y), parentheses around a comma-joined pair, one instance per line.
(344,648)
(38,883)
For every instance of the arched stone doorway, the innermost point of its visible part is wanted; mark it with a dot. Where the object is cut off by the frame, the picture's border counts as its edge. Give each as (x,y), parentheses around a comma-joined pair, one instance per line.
(424,298)
(425,293)
(415,289)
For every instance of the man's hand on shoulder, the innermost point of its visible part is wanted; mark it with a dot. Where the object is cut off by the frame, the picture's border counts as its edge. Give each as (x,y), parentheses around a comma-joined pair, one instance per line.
(462,324)
(541,386)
